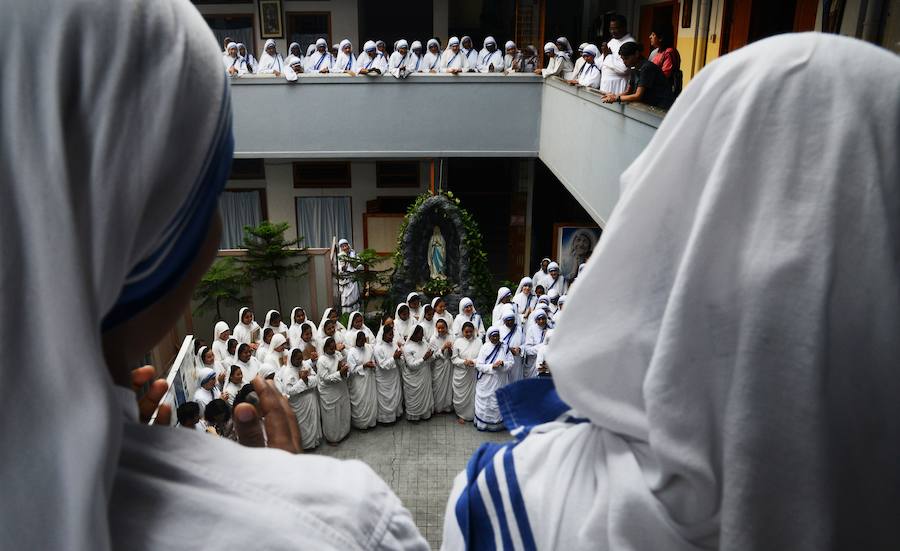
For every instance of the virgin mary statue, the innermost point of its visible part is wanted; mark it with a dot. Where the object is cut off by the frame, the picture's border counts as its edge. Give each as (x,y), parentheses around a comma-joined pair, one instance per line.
(437,255)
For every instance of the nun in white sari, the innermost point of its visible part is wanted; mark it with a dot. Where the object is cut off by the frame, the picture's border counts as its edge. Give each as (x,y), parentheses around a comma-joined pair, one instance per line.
(490,59)
(524,298)
(371,62)
(504,297)
(535,333)
(272,63)
(470,52)
(512,337)
(252,63)
(493,364)
(334,396)
(321,59)
(431,63)
(415,64)
(346,59)
(732,384)
(221,334)
(294,61)
(441,345)
(246,330)
(417,377)
(130,225)
(465,351)
(454,60)
(249,365)
(399,60)
(389,387)
(235,65)
(468,313)
(298,381)
(361,381)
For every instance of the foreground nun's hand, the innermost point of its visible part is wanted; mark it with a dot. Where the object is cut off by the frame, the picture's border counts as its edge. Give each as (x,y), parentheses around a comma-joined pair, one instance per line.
(154,395)
(273,411)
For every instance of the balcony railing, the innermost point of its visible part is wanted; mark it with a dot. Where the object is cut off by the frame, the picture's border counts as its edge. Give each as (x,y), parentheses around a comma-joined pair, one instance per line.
(585,142)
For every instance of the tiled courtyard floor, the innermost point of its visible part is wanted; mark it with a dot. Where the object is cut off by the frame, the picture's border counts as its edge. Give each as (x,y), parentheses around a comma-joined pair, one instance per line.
(419,461)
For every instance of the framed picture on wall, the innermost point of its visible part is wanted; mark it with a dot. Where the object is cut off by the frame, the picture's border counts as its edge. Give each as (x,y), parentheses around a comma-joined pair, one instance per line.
(271,24)
(573,245)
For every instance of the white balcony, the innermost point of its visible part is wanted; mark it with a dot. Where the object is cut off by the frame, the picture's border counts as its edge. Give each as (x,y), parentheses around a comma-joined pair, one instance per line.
(585,143)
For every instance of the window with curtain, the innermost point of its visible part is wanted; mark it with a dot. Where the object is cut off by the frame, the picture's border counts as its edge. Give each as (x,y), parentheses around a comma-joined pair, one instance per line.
(319,219)
(239,209)
(238,27)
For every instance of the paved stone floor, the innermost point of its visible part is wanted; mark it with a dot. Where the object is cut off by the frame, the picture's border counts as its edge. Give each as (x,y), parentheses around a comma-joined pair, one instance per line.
(419,461)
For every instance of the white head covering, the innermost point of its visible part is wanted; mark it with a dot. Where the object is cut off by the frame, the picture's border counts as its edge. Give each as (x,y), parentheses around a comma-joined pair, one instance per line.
(230,46)
(566,48)
(523,282)
(344,241)
(401,44)
(369,46)
(454,41)
(465,301)
(550,47)
(736,338)
(433,42)
(416,44)
(489,40)
(502,292)
(220,328)
(121,238)
(591,49)
(413,295)
(310,49)
(509,44)
(582,46)
(552,266)
(321,42)
(269,42)
(344,62)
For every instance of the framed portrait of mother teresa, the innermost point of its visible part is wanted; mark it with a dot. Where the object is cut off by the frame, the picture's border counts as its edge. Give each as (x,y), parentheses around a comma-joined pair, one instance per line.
(573,245)
(271,22)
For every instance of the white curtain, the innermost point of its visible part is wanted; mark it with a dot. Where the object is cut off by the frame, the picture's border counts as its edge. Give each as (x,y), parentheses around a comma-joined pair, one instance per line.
(239,209)
(319,219)
(243,35)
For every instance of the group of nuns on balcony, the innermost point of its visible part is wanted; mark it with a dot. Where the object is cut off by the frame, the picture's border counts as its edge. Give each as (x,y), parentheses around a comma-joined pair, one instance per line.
(460,56)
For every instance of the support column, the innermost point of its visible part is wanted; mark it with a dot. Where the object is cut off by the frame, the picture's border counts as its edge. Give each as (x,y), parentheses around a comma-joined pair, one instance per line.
(441,20)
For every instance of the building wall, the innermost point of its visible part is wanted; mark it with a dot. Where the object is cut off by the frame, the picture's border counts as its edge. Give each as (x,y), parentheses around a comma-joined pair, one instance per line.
(281,194)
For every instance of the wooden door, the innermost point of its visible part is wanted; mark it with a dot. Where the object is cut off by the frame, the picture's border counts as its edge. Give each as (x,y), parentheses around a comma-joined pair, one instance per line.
(662,13)
(735,25)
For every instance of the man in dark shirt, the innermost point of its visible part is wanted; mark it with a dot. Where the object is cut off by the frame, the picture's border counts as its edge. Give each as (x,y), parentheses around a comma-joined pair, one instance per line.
(648,84)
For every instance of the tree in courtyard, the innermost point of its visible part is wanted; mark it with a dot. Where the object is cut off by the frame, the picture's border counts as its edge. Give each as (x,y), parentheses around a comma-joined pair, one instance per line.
(222,285)
(272,257)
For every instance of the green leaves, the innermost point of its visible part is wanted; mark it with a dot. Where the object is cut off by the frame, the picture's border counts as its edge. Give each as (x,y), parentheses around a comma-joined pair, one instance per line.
(222,285)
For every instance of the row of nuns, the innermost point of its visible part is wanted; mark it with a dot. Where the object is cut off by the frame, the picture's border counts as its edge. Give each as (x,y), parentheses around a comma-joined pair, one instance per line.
(423,360)
(459,56)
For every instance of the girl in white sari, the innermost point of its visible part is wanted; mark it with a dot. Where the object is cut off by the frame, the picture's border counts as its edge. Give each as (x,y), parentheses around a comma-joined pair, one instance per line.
(234,384)
(298,318)
(361,381)
(389,387)
(273,320)
(403,323)
(440,312)
(221,334)
(417,377)
(465,351)
(414,302)
(334,396)
(299,382)
(249,365)
(356,322)
(275,358)
(246,330)
(441,344)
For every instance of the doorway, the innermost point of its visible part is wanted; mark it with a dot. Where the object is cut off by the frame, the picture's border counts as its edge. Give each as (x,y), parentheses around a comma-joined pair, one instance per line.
(654,16)
(746,21)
